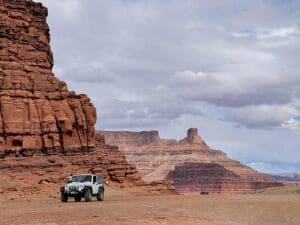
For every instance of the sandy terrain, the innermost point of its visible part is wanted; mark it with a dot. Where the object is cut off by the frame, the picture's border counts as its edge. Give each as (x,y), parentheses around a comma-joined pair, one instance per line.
(270,207)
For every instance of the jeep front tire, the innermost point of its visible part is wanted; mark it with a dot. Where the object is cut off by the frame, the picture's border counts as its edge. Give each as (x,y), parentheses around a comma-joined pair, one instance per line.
(63,197)
(77,198)
(100,195)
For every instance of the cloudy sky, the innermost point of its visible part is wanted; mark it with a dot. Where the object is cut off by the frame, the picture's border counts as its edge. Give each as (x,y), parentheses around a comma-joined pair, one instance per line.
(230,68)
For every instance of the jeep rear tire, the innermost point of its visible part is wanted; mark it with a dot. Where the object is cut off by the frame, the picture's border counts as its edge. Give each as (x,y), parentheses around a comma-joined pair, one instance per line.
(77,198)
(63,197)
(88,195)
(100,195)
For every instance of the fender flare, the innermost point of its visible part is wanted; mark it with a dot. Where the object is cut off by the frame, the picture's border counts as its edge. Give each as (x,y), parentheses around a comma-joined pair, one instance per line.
(62,189)
(87,188)
(101,188)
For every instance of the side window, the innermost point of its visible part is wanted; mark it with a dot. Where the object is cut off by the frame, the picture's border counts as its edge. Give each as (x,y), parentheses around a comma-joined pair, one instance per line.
(94,179)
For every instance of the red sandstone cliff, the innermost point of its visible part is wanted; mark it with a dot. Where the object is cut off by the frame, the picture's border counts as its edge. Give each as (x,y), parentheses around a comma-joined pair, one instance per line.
(190,163)
(37,110)
(45,129)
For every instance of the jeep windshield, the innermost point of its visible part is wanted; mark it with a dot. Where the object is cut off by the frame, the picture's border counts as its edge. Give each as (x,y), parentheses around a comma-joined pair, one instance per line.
(82,178)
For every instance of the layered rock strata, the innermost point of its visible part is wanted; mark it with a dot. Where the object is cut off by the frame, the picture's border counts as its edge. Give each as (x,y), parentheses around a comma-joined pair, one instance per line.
(46,131)
(190,163)
(43,172)
(215,178)
(37,112)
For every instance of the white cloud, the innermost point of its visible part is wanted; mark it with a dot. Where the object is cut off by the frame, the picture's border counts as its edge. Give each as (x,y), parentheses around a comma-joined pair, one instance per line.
(274,167)
(292,124)
(268,116)
(261,34)
(232,89)
(282,32)
(67,9)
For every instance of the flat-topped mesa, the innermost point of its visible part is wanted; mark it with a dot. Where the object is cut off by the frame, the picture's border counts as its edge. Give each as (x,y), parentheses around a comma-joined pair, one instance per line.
(193,138)
(131,138)
(37,112)
(145,138)
(216,178)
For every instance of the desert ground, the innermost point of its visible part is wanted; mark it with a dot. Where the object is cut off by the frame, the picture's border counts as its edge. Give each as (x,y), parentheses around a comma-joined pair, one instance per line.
(266,207)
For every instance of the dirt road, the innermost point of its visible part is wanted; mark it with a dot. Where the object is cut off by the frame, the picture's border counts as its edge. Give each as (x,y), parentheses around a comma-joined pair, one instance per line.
(279,206)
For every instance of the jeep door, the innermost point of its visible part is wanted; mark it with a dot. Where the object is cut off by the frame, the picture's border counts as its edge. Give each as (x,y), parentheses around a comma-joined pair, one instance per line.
(95,185)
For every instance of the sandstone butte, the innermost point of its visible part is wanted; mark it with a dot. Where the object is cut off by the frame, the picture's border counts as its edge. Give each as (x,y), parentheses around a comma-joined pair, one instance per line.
(46,131)
(190,164)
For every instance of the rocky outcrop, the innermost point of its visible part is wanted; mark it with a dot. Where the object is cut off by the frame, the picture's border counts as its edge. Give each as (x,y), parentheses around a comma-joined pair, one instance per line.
(215,178)
(129,138)
(113,165)
(43,172)
(37,112)
(193,138)
(190,163)
(46,131)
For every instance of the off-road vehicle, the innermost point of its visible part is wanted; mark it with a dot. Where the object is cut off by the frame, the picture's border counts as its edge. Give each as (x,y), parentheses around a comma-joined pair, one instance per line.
(83,186)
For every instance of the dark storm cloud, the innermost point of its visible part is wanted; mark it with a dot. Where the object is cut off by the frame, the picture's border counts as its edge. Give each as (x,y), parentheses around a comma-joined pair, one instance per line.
(227,90)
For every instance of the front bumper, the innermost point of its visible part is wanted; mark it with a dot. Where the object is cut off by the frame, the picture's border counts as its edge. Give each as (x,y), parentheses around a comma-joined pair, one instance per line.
(74,193)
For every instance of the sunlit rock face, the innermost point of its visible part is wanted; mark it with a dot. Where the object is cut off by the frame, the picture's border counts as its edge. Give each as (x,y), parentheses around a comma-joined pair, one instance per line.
(38,113)
(189,163)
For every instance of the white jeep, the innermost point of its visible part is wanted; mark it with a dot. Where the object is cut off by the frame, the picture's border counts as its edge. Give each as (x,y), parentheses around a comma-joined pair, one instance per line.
(83,185)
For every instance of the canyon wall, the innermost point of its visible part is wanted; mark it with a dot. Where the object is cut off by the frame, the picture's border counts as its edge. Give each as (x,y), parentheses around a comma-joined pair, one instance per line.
(38,113)
(46,131)
(190,163)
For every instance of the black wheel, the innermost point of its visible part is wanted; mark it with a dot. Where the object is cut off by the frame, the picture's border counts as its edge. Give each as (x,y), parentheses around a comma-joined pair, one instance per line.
(88,195)
(77,198)
(100,195)
(63,197)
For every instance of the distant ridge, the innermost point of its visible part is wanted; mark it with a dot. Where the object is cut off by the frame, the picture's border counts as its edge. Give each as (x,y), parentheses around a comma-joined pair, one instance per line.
(189,163)
(288,177)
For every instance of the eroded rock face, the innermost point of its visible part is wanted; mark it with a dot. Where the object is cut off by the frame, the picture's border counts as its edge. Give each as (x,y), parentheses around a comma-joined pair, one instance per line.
(190,163)
(215,178)
(38,113)
(46,131)
(47,172)
(113,165)
(129,138)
